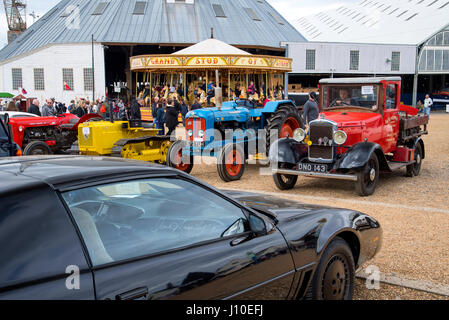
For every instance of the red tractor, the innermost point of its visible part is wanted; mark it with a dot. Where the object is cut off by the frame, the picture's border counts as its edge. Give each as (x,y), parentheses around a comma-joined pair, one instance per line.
(363,129)
(47,135)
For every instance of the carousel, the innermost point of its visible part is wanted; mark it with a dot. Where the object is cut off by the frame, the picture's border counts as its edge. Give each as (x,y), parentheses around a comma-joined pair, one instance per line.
(195,72)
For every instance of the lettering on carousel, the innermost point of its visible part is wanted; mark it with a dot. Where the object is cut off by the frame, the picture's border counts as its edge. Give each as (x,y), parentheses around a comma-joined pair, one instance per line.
(283,64)
(206,61)
(164,62)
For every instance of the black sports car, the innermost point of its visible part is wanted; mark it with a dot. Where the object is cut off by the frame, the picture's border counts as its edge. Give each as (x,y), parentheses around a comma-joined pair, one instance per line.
(103,228)
(7,147)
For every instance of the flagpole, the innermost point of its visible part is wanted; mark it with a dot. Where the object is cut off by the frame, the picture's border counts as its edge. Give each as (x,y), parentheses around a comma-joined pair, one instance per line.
(93,71)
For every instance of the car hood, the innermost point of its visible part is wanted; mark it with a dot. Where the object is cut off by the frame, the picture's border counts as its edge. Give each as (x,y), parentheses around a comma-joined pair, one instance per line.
(281,209)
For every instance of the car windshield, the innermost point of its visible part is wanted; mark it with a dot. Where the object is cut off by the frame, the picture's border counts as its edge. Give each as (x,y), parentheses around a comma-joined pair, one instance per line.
(350,96)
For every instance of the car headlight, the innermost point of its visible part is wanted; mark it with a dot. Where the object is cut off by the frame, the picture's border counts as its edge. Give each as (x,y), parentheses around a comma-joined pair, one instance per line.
(340,137)
(299,135)
(190,133)
(201,133)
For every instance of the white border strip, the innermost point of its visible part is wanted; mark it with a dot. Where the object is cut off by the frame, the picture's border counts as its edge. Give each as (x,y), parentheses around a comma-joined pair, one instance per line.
(358,202)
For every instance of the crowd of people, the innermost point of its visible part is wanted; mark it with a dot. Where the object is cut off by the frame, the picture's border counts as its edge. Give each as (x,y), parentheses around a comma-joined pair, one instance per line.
(204,93)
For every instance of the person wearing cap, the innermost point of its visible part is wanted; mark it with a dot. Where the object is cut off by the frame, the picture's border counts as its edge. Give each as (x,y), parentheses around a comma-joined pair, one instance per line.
(311,110)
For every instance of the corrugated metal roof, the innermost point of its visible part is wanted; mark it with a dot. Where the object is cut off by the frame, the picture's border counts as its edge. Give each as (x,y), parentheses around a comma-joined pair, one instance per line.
(378,21)
(162,22)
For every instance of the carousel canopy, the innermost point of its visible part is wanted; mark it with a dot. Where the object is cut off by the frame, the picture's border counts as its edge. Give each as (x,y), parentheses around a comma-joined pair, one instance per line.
(210,54)
(212,47)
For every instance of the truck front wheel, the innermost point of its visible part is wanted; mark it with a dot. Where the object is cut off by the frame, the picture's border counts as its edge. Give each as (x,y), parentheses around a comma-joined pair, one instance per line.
(285,182)
(368,177)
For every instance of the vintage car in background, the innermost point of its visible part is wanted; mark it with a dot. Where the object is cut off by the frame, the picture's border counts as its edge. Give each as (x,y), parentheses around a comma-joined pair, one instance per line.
(362,129)
(106,228)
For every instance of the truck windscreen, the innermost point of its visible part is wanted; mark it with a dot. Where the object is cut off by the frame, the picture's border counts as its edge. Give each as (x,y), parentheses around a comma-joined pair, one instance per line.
(359,96)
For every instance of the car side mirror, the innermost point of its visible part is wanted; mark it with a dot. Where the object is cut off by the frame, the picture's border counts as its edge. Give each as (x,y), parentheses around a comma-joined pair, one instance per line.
(257,225)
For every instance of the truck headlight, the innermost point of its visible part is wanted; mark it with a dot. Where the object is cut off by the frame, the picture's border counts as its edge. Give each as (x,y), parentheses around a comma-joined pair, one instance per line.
(190,133)
(201,133)
(299,135)
(340,137)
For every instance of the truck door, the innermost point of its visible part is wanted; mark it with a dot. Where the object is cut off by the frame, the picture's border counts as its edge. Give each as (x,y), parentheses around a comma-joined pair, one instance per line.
(391,116)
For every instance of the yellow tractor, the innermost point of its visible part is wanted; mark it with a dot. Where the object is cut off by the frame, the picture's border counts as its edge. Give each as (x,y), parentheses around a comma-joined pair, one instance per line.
(132,139)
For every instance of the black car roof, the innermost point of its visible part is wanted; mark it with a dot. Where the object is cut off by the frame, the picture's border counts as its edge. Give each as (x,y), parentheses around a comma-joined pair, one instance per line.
(66,171)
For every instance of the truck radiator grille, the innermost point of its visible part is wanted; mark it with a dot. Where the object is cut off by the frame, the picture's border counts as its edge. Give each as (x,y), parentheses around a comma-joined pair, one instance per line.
(318,134)
(321,152)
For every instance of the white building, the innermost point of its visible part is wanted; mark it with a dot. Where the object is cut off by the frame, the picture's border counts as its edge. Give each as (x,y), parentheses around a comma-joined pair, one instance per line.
(57,49)
(44,71)
(409,38)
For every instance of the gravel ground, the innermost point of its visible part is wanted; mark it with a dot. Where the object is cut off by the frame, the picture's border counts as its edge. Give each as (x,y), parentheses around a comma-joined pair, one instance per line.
(416,238)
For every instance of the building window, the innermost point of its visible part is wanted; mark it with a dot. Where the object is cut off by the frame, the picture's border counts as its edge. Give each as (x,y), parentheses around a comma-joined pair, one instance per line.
(17,79)
(67,78)
(39,80)
(395,61)
(88,79)
(354,60)
(310,59)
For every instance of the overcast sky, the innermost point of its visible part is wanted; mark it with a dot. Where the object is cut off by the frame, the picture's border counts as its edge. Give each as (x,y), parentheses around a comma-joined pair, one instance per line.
(290,9)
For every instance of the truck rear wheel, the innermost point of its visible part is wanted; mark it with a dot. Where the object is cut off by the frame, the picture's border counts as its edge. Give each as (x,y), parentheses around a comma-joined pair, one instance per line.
(231,163)
(368,177)
(283,123)
(37,148)
(174,157)
(283,181)
(414,170)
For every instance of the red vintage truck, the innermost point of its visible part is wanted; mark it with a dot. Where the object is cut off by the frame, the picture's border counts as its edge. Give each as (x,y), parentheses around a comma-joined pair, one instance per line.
(362,129)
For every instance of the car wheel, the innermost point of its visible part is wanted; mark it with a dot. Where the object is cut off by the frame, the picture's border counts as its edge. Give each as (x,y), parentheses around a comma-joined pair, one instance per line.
(414,170)
(174,157)
(368,177)
(37,148)
(283,181)
(231,163)
(335,275)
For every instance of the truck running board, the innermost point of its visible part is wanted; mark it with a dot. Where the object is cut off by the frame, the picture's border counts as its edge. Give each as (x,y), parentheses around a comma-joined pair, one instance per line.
(398,165)
(347,177)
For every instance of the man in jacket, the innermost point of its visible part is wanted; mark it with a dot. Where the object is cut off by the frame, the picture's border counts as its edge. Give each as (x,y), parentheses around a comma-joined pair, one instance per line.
(135,109)
(171,117)
(311,110)
(47,109)
(160,119)
(34,108)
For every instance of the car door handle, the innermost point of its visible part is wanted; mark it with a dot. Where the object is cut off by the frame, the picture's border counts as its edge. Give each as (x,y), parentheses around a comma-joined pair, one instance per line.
(139,293)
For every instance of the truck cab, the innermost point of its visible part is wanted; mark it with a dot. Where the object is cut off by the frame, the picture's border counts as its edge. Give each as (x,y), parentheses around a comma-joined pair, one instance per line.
(363,109)
(362,129)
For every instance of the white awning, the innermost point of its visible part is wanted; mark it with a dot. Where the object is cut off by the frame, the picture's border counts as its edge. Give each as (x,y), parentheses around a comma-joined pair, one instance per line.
(212,47)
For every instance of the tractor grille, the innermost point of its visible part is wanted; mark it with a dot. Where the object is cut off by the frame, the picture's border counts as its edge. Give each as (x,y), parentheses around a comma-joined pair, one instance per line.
(319,134)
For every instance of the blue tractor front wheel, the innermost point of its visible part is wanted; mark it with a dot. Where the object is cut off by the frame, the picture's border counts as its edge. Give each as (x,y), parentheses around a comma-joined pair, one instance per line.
(231,163)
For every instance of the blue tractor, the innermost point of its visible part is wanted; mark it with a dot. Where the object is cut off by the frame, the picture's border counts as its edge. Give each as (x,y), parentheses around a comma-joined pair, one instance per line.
(232,133)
